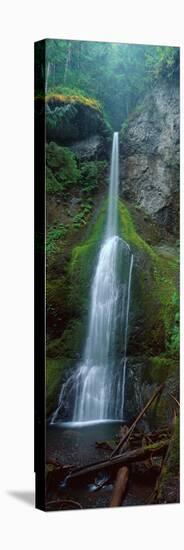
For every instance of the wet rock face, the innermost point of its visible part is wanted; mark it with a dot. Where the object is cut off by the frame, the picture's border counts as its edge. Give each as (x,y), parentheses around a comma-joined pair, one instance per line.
(87,149)
(150,157)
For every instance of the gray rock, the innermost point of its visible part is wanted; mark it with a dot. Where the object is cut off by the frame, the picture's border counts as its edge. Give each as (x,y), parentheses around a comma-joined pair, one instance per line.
(150,156)
(87,148)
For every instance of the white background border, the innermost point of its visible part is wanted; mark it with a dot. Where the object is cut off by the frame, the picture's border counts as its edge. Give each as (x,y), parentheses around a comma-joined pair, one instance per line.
(150,22)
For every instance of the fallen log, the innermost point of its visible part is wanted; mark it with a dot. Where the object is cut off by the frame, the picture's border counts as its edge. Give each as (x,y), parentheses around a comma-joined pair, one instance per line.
(119,486)
(123,459)
(134,424)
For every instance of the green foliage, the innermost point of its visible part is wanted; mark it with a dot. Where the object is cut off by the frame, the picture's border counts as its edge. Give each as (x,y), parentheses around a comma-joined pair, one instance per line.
(163,62)
(53,235)
(80,219)
(161,272)
(174,341)
(62,95)
(116,75)
(160,368)
(83,261)
(69,343)
(61,168)
(54,370)
(92,174)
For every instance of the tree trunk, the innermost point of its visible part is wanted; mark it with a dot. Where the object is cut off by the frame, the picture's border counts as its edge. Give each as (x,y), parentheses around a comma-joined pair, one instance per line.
(68,59)
(119,487)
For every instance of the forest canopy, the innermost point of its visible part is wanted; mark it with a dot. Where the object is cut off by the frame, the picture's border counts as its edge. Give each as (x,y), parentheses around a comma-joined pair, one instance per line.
(117,75)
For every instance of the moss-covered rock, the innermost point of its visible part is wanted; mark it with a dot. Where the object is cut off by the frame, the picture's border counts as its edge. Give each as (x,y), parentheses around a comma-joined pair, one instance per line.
(54,370)
(68,295)
(83,261)
(154,281)
(71,118)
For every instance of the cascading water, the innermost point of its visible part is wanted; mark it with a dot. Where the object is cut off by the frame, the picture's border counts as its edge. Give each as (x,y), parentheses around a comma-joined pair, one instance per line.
(97,387)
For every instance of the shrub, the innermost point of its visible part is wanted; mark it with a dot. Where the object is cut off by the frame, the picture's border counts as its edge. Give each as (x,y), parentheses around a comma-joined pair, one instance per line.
(173,344)
(92,173)
(61,168)
(52,237)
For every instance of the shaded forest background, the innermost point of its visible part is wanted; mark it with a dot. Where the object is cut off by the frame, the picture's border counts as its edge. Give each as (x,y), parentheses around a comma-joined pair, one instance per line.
(117,75)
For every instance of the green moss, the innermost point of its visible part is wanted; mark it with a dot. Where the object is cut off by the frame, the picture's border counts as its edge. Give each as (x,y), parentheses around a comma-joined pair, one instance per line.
(83,262)
(54,370)
(169,480)
(55,234)
(62,353)
(92,175)
(155,284)
(69,344)
(69,95)
(61,168)
(159,368)
(128,231)
(56,294)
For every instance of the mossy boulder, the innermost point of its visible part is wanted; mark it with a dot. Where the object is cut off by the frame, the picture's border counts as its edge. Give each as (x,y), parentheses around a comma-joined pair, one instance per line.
(71,118)
(54,377)
(154,281)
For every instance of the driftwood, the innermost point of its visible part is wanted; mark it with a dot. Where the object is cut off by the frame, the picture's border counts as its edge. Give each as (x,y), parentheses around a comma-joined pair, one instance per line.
(112,465)
(120,486)
(134,424)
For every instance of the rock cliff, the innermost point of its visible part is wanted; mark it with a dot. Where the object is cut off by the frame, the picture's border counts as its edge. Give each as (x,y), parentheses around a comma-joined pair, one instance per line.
(150,156)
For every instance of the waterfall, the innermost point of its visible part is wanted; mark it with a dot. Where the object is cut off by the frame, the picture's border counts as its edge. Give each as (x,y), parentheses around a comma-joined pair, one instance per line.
(97,388)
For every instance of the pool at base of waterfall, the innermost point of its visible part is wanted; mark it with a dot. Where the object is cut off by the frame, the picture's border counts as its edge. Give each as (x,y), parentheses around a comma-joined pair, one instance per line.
(74,444)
